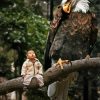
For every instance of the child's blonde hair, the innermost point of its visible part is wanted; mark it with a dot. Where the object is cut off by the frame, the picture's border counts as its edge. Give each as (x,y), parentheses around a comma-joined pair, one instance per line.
(30,51)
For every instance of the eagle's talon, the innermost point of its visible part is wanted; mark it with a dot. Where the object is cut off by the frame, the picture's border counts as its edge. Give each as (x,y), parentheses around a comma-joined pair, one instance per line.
(68,62)
(60,62)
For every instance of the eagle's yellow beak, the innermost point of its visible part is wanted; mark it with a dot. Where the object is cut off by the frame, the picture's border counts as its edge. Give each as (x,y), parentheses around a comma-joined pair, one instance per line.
(67,7)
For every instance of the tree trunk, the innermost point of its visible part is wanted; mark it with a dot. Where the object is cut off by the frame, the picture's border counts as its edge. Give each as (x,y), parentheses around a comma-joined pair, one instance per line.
(51,75)
(85,88)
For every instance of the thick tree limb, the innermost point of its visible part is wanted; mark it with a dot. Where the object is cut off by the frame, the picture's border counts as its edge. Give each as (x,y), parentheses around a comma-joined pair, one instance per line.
(52,74)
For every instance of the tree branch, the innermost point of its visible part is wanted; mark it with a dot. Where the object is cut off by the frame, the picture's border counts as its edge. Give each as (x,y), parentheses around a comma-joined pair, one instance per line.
(52,74)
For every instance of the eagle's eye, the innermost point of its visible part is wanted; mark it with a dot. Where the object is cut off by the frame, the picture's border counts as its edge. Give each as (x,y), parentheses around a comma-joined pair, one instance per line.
(59,6)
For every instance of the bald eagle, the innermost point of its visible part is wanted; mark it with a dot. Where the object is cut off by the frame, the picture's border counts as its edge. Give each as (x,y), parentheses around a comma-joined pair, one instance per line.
(72,35)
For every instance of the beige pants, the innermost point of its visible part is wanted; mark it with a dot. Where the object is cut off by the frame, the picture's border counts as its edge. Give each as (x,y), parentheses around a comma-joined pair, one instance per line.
(28,78)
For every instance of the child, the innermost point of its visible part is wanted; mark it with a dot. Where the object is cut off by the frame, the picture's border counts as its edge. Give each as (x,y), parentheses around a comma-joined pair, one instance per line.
(32,68)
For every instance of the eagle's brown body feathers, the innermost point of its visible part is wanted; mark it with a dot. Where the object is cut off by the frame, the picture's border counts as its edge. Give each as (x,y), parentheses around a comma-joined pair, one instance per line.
(73,37)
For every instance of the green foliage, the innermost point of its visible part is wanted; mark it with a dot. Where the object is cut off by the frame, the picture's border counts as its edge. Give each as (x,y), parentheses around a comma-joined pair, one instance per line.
(22,30)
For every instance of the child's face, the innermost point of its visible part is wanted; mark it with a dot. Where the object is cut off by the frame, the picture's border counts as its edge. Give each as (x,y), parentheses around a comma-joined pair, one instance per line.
(31,55)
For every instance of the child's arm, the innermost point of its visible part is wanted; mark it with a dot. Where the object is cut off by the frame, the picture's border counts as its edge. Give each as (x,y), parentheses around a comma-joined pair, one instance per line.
(39,68)
(24,69)
(39,74)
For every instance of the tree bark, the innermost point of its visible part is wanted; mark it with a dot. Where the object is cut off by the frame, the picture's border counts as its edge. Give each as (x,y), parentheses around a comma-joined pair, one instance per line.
(52,74)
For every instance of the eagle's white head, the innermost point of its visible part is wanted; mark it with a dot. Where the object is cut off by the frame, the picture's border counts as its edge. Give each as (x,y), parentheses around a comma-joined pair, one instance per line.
(75,5)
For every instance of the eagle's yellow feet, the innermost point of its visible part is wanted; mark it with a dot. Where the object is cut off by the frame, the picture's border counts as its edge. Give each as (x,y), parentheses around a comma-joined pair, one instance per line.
(60,62)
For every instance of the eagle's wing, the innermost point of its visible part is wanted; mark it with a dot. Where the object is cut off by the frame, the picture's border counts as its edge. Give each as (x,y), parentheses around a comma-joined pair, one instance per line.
(82,34)
(53,29)
(94,31)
